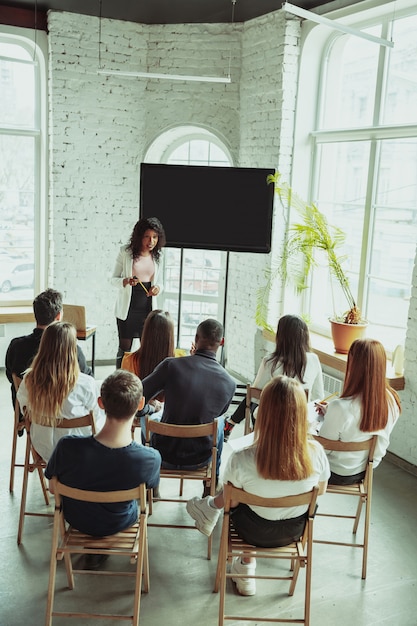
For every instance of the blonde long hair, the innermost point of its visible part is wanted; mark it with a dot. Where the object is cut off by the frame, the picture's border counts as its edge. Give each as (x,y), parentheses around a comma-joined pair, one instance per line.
(281,435)
(53,374)
(365,378)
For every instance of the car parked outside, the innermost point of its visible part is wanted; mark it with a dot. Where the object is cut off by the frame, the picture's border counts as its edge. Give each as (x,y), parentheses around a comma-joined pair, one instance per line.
(15,275)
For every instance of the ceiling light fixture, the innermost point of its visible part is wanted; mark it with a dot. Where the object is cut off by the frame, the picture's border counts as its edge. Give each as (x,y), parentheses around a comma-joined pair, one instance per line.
(155,75)
(319,19)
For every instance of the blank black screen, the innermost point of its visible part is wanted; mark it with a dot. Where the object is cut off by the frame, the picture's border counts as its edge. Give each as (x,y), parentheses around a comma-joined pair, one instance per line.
(213,208)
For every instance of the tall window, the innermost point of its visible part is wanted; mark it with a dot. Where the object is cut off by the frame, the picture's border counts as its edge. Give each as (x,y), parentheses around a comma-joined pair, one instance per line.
(198,275)
(22,115)
(365,172)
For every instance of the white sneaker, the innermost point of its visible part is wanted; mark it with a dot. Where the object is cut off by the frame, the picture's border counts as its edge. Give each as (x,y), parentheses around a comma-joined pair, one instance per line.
(245,586)
(204,515)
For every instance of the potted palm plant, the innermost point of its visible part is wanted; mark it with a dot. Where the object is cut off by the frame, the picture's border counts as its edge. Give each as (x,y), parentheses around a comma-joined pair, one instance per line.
(304,238)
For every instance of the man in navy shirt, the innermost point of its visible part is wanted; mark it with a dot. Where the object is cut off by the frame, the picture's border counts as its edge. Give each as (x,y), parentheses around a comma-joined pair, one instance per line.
(197,389)
(108,461)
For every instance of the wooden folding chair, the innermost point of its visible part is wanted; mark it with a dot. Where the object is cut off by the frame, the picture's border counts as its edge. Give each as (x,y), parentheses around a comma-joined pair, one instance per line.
(299,553)
(37,463)
(131,542)
(361,490)
(252,393)
(206,475)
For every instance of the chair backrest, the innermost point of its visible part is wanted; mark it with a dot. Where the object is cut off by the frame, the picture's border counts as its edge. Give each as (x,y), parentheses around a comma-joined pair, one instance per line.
(182,430)
(349,446)
(252,393)
(78,422)
(121,495)
(234,494)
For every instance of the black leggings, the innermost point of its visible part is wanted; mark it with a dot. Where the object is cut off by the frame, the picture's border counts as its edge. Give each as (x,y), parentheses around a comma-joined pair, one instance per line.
(266,533)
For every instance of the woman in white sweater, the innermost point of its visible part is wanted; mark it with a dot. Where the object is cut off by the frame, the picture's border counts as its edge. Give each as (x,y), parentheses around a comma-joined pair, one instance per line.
(291,357)
(367,406)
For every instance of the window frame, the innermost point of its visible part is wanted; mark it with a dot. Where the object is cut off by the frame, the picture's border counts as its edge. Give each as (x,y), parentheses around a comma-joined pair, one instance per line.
(35,43)
(309,136)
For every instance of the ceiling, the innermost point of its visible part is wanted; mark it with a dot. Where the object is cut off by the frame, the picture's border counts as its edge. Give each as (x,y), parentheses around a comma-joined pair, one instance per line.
(172,11)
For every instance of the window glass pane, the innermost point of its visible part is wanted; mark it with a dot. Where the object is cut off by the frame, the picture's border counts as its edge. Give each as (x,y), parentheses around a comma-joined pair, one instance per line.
(350,82)
(199,151)
(341,197)
(394,239)
(401,93)
(17,102)
(180,154)
(16,218)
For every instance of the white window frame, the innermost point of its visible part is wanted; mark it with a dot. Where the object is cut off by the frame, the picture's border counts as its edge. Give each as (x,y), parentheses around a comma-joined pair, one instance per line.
(35,42)
(316,41)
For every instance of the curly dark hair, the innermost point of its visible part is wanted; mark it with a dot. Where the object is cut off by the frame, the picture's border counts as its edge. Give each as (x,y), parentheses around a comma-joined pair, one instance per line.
(144,224)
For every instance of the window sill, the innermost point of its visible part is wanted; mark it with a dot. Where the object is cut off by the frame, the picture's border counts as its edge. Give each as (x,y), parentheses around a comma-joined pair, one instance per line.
(323,347)
(16,314)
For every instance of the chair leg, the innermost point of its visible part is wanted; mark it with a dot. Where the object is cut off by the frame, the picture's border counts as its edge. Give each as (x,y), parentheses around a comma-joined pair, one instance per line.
(52,576)
(13,461)
(181,486)
(146,580)
(358,515)
(24,493)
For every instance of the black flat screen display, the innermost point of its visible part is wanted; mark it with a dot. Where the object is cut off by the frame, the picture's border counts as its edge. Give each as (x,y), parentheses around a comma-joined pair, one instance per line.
(212,208)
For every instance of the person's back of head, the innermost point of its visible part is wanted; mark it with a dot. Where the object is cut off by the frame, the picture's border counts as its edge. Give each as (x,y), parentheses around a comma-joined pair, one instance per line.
(46,306)
(281,431)
(209,335)
(121,394)
(365,379)
(157,342)
(292,343)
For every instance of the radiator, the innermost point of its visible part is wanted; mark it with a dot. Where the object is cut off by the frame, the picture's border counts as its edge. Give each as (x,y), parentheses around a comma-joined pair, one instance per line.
(332,384)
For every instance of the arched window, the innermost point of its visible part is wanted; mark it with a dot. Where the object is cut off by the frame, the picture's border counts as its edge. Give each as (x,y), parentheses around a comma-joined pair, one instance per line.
(23,160)
(365,169)
(202,272)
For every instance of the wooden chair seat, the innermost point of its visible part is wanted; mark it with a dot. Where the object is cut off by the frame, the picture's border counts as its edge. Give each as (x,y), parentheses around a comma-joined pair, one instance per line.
(67,541)
(38,464)
(206,474)
(361,490)
(299,553)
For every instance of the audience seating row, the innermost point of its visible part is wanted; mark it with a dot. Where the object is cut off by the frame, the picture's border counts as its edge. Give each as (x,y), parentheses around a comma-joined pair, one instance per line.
(133,542)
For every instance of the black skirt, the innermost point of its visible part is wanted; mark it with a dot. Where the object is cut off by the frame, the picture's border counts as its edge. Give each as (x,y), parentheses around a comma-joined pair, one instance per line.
(140,307)
(266,533)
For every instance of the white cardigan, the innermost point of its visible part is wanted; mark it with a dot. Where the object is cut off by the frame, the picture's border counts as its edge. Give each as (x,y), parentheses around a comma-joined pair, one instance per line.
(123,269)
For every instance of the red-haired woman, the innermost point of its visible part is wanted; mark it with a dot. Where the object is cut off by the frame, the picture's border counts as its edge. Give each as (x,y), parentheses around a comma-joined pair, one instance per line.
(367,406)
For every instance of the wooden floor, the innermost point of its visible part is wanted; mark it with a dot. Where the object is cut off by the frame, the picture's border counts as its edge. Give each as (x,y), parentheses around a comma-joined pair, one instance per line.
(182,578)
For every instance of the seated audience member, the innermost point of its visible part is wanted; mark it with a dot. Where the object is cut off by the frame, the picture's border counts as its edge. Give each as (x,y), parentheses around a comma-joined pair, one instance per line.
(108,461)
(367,406)
(54,388)
(197,389)
(292,357)
(47,308)
(282,461)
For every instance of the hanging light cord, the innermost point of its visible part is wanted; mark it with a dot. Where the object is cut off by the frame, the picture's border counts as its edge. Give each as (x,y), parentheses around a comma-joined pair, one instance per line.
(99,36)
(232,21)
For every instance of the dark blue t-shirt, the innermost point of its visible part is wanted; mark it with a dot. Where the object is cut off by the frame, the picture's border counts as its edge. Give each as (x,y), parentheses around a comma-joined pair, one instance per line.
(84,463)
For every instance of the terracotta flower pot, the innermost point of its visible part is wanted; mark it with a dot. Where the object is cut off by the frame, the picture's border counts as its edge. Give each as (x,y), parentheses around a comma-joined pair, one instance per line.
(345,334)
